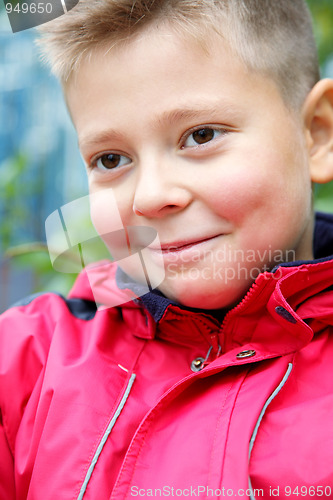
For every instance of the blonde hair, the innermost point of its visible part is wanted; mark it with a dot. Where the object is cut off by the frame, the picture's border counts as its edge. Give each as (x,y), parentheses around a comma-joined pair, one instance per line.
(273,37)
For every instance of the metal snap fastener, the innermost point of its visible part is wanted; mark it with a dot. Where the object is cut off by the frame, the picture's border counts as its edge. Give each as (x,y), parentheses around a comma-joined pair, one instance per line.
(281,311)
(197,364)
(246,354)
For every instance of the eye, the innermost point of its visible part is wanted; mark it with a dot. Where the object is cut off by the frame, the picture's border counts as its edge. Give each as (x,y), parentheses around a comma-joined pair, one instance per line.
(109,161)
(202,136)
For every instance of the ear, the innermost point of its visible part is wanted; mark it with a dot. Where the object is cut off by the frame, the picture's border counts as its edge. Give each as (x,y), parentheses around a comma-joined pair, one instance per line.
(318,120)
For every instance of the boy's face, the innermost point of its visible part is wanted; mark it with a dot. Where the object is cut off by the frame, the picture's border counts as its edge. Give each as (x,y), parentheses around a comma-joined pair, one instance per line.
(197,147)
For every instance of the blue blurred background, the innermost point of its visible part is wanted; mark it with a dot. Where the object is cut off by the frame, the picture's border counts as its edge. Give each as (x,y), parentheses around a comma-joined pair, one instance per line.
(40,165)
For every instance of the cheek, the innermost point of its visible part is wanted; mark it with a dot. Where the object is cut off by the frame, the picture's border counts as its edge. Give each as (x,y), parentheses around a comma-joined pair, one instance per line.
(104,211)
(111,207)
(262,188)
(238,192)
(106,218)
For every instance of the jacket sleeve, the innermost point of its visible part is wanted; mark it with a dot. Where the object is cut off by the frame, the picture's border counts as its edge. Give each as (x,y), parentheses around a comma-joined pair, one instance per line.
(7,483)
(25,333)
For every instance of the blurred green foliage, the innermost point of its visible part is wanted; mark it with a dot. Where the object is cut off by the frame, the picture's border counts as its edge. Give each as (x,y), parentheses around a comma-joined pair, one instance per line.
(16,188)
(13,194)
(322,12)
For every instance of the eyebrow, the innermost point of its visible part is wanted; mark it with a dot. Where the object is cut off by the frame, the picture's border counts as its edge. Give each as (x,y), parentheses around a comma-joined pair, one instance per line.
(91,140)
(169,117)
(192,112)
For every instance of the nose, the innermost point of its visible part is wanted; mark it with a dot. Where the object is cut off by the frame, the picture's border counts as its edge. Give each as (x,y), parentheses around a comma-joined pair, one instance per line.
(160,191)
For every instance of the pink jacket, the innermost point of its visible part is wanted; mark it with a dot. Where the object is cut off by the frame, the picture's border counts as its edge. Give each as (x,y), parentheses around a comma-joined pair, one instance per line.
(116,404)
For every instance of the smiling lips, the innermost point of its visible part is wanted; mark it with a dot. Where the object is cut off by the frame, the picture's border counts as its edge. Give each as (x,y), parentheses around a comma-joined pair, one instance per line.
(179,246)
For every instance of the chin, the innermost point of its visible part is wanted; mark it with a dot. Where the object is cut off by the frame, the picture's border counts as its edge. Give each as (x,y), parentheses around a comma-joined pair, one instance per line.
(203,295)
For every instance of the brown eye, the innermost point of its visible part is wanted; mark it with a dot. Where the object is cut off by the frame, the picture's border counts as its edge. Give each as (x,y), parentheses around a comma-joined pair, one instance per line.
(203,135)
(111,160)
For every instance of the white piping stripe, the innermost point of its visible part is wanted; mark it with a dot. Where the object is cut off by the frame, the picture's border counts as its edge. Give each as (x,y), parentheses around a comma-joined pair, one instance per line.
(256,428)
(105,437)
(64,6)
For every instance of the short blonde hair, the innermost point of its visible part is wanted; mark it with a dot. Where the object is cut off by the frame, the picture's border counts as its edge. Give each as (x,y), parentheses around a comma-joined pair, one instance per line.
(273,37)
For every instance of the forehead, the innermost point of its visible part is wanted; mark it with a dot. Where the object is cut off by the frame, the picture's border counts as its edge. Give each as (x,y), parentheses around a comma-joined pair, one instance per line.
(161,77)
(155,53)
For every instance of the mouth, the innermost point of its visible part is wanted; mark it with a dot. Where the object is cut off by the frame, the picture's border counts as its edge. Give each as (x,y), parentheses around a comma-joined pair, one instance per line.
(181,245)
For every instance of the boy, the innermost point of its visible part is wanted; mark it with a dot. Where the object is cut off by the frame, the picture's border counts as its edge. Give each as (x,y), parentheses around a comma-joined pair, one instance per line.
(208,123)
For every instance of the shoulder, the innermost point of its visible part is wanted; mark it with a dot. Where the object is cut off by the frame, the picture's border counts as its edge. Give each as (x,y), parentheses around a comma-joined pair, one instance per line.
(79,307)
(27,331)
(37,315)
(27,328)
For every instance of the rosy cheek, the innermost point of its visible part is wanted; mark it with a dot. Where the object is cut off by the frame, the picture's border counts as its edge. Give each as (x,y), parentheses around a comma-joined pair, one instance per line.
(235,195)
(104,212)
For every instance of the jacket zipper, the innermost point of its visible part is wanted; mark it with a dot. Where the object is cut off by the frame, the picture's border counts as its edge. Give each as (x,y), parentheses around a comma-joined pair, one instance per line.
(257,286)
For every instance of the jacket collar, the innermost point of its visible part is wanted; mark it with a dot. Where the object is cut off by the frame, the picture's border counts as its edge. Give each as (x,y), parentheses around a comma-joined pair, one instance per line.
(280,314)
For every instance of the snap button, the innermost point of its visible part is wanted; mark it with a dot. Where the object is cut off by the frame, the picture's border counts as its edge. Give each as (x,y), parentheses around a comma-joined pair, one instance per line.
(246,354)
(281,311)
(197,364)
